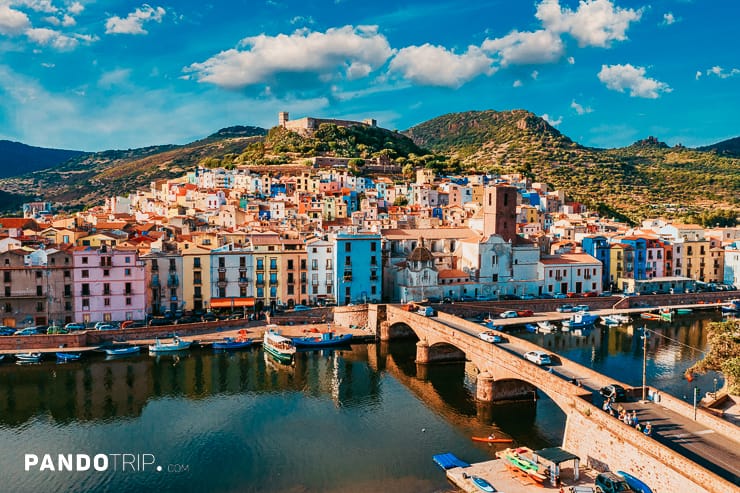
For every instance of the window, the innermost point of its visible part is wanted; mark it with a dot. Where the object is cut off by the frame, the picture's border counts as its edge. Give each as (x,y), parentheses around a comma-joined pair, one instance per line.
(127,260)
(126,272)
(374,246)
(260,292)
(127,288)
(85,273)
(221,262)
(290,264)
(67,290)
(7,291)
(67,274)
(6,276)
(84,260)
(373,260)
(242,291)
(373,289)
(107,317)
(196,262)
(85,289)
(39,306)
(273,278)
(329,264)
(303,263)
(290,289)
(314,264)
(197,293)
(348,247)
(222,292)
(128,301)
(106,301)
(273,263)
(106,288)
(39,291)
(173,264)
(348,260)
(38,274)
(173,293)
(67,306)
(273,292)
(8,308)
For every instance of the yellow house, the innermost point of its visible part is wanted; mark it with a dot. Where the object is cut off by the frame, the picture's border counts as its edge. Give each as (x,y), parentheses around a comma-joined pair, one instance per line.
(196,276)
(97,240)
(621,263)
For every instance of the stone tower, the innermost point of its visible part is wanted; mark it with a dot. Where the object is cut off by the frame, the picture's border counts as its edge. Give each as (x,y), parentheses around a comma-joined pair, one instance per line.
(499,211)
(283,118)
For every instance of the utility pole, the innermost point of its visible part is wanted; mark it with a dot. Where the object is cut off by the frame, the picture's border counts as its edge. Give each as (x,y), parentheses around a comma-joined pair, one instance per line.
(644,362)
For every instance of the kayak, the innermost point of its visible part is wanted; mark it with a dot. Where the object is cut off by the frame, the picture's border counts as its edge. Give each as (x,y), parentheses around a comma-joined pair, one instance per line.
(482,484)
(491,440)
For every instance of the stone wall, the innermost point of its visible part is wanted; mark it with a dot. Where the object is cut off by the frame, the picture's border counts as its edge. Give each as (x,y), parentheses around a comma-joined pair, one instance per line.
(349,316)
(600,439)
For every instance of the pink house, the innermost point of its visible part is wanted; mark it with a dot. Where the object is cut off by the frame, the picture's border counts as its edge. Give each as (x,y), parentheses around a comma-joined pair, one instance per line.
(109,284)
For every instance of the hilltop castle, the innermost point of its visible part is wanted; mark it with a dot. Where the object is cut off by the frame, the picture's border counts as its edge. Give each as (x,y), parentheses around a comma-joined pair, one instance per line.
(308,125)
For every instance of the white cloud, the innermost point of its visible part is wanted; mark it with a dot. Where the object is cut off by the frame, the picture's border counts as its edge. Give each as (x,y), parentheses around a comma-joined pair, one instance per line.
(68,20)
(260,59)
(133,23)
(48,65)
(595,23)
(37,5)
(698,75)
(517,83)
(114,78)
(580,109)
(54,21)
(534,74)
(669,18)
(551,120)
(621,77)
(526,47)
(299,19)
(721,73)
(50,37)
(438,66)
(75,8)
(571,60)
(12,21)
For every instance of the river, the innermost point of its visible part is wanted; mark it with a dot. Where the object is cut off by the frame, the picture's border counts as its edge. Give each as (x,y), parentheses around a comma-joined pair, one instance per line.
(361,419)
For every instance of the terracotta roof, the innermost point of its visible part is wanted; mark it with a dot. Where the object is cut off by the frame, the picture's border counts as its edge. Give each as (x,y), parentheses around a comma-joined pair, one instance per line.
(452,273)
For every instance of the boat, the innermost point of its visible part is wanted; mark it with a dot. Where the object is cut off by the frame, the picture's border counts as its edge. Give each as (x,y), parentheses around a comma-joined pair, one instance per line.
(666,314)
(64,357)
(530,328)
(635,483)
(281,348)
(122,351)
(546,327)
(28,357)
(448,461)
(650,316)
(579,321)
(732,306)
(684,311)
(2,357)
(231,343)
(516,460)
(325,339)
(177,344)
(615,319)
(482,484)
(491,440)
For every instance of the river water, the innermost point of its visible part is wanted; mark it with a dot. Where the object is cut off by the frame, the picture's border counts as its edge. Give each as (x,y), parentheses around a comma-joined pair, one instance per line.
(361,419)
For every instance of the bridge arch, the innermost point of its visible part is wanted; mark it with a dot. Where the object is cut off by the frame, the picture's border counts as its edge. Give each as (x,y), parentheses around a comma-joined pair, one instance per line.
(400,330)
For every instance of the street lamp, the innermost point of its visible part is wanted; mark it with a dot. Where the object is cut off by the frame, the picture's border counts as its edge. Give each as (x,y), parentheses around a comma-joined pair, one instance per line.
(644,362)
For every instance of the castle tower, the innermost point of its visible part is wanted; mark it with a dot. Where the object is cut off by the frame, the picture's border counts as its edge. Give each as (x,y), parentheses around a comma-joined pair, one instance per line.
(499,211)
(283,118)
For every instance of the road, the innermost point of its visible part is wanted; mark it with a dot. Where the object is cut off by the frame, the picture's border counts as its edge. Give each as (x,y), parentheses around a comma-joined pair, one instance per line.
(711,450)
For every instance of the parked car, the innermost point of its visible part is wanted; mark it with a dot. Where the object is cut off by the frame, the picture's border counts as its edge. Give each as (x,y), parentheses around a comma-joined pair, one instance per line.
(447,299)
(538,357)
(426,311)
(465,297)
(529,296)
(590,294)
(301,308)
(30,331)
(107,327)
(509,297)
(75,326)
(559,296)
(613,391)
(509,314)
(490,336)
(525,313)
(160,321)
(564,309)
(6,331)
(483,297)
(433,299)
(56,329)
(581,308)
(605,293)
(608,482)
(209,317)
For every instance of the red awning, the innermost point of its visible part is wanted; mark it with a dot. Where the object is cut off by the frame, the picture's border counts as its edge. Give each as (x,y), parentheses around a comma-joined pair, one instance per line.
(231,302)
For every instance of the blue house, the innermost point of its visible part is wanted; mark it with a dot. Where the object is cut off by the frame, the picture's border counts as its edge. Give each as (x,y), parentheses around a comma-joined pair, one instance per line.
(357,273)
(640,247)
(598,247)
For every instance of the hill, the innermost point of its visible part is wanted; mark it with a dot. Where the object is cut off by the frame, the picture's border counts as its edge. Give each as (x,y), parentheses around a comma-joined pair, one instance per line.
(729,148)
(17,158)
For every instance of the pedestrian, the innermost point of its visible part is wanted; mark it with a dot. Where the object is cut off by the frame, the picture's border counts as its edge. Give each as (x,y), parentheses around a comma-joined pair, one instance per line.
(635,421)
(638,427)
(648,429)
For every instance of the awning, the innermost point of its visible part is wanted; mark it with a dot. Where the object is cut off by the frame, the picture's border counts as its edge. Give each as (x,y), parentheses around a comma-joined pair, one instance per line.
(231,302)
(556,455)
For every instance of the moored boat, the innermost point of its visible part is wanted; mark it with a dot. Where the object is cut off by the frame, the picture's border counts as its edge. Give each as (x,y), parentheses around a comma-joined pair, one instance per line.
(231,343)
(666,314)
(615,319)
(325,339)
(579,321)
(63,357)
(122,351)
(482,484)
(732,306)
(516,460)
(281,348)
(546,327)
(650,316)
(684,311)
(2,357)
(28,357)
(177,344)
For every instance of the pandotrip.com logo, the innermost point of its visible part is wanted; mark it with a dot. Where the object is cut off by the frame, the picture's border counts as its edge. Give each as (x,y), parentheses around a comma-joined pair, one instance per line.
(118,462)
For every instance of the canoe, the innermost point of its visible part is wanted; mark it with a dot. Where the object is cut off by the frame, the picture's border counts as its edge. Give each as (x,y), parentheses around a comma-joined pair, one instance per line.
(491,440)
(635,483)
(482,484)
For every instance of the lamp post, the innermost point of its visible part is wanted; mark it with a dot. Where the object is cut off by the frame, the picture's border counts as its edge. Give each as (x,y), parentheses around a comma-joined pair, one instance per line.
(644,362)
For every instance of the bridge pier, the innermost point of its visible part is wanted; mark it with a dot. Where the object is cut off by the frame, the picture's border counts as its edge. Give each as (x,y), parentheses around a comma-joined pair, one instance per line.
(422,352)
(484,387)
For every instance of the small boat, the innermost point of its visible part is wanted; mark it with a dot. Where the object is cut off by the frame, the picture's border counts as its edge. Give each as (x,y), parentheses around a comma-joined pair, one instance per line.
(281,348)
(732,306)
(516,460)
(28,357)
(177,344)
(546,327)
(482,484)
(635,483)
(64,357)
(666,314)
(579,321)
(2,357)
(650,316)
(684,311)
(530,328)
(615,319)
(230,343)
(122,351)
(325,339)
(491,440)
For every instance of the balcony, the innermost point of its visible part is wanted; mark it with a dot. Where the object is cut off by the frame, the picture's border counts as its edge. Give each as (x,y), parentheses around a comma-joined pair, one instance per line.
(347,277)
(243,280)
(173,281)
(155,281)
(221,284)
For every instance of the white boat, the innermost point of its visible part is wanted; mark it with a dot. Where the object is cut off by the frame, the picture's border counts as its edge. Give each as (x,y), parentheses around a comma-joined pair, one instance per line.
(579,321)
(177,344)
(28,357)
(615,319)
(280,347)
(546,327)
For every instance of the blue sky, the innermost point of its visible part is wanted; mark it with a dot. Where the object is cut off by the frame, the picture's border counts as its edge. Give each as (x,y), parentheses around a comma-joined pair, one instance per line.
(100,75)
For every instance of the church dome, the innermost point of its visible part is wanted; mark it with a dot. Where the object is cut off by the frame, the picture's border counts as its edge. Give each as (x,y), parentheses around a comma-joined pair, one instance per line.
(421,254)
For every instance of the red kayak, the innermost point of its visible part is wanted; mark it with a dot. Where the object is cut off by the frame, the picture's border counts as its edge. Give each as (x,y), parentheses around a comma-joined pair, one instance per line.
(492,440)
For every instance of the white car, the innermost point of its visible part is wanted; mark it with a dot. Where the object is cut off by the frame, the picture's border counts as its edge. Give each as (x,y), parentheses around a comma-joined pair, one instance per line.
(538,357)
(490,336)
(509,314)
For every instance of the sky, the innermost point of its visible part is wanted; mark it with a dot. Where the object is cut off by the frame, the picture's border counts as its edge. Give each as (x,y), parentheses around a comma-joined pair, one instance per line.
(96,75)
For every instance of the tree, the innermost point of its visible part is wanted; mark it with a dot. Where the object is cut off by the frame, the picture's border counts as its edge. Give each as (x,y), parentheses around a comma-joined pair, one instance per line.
(723,355)
(401,201)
